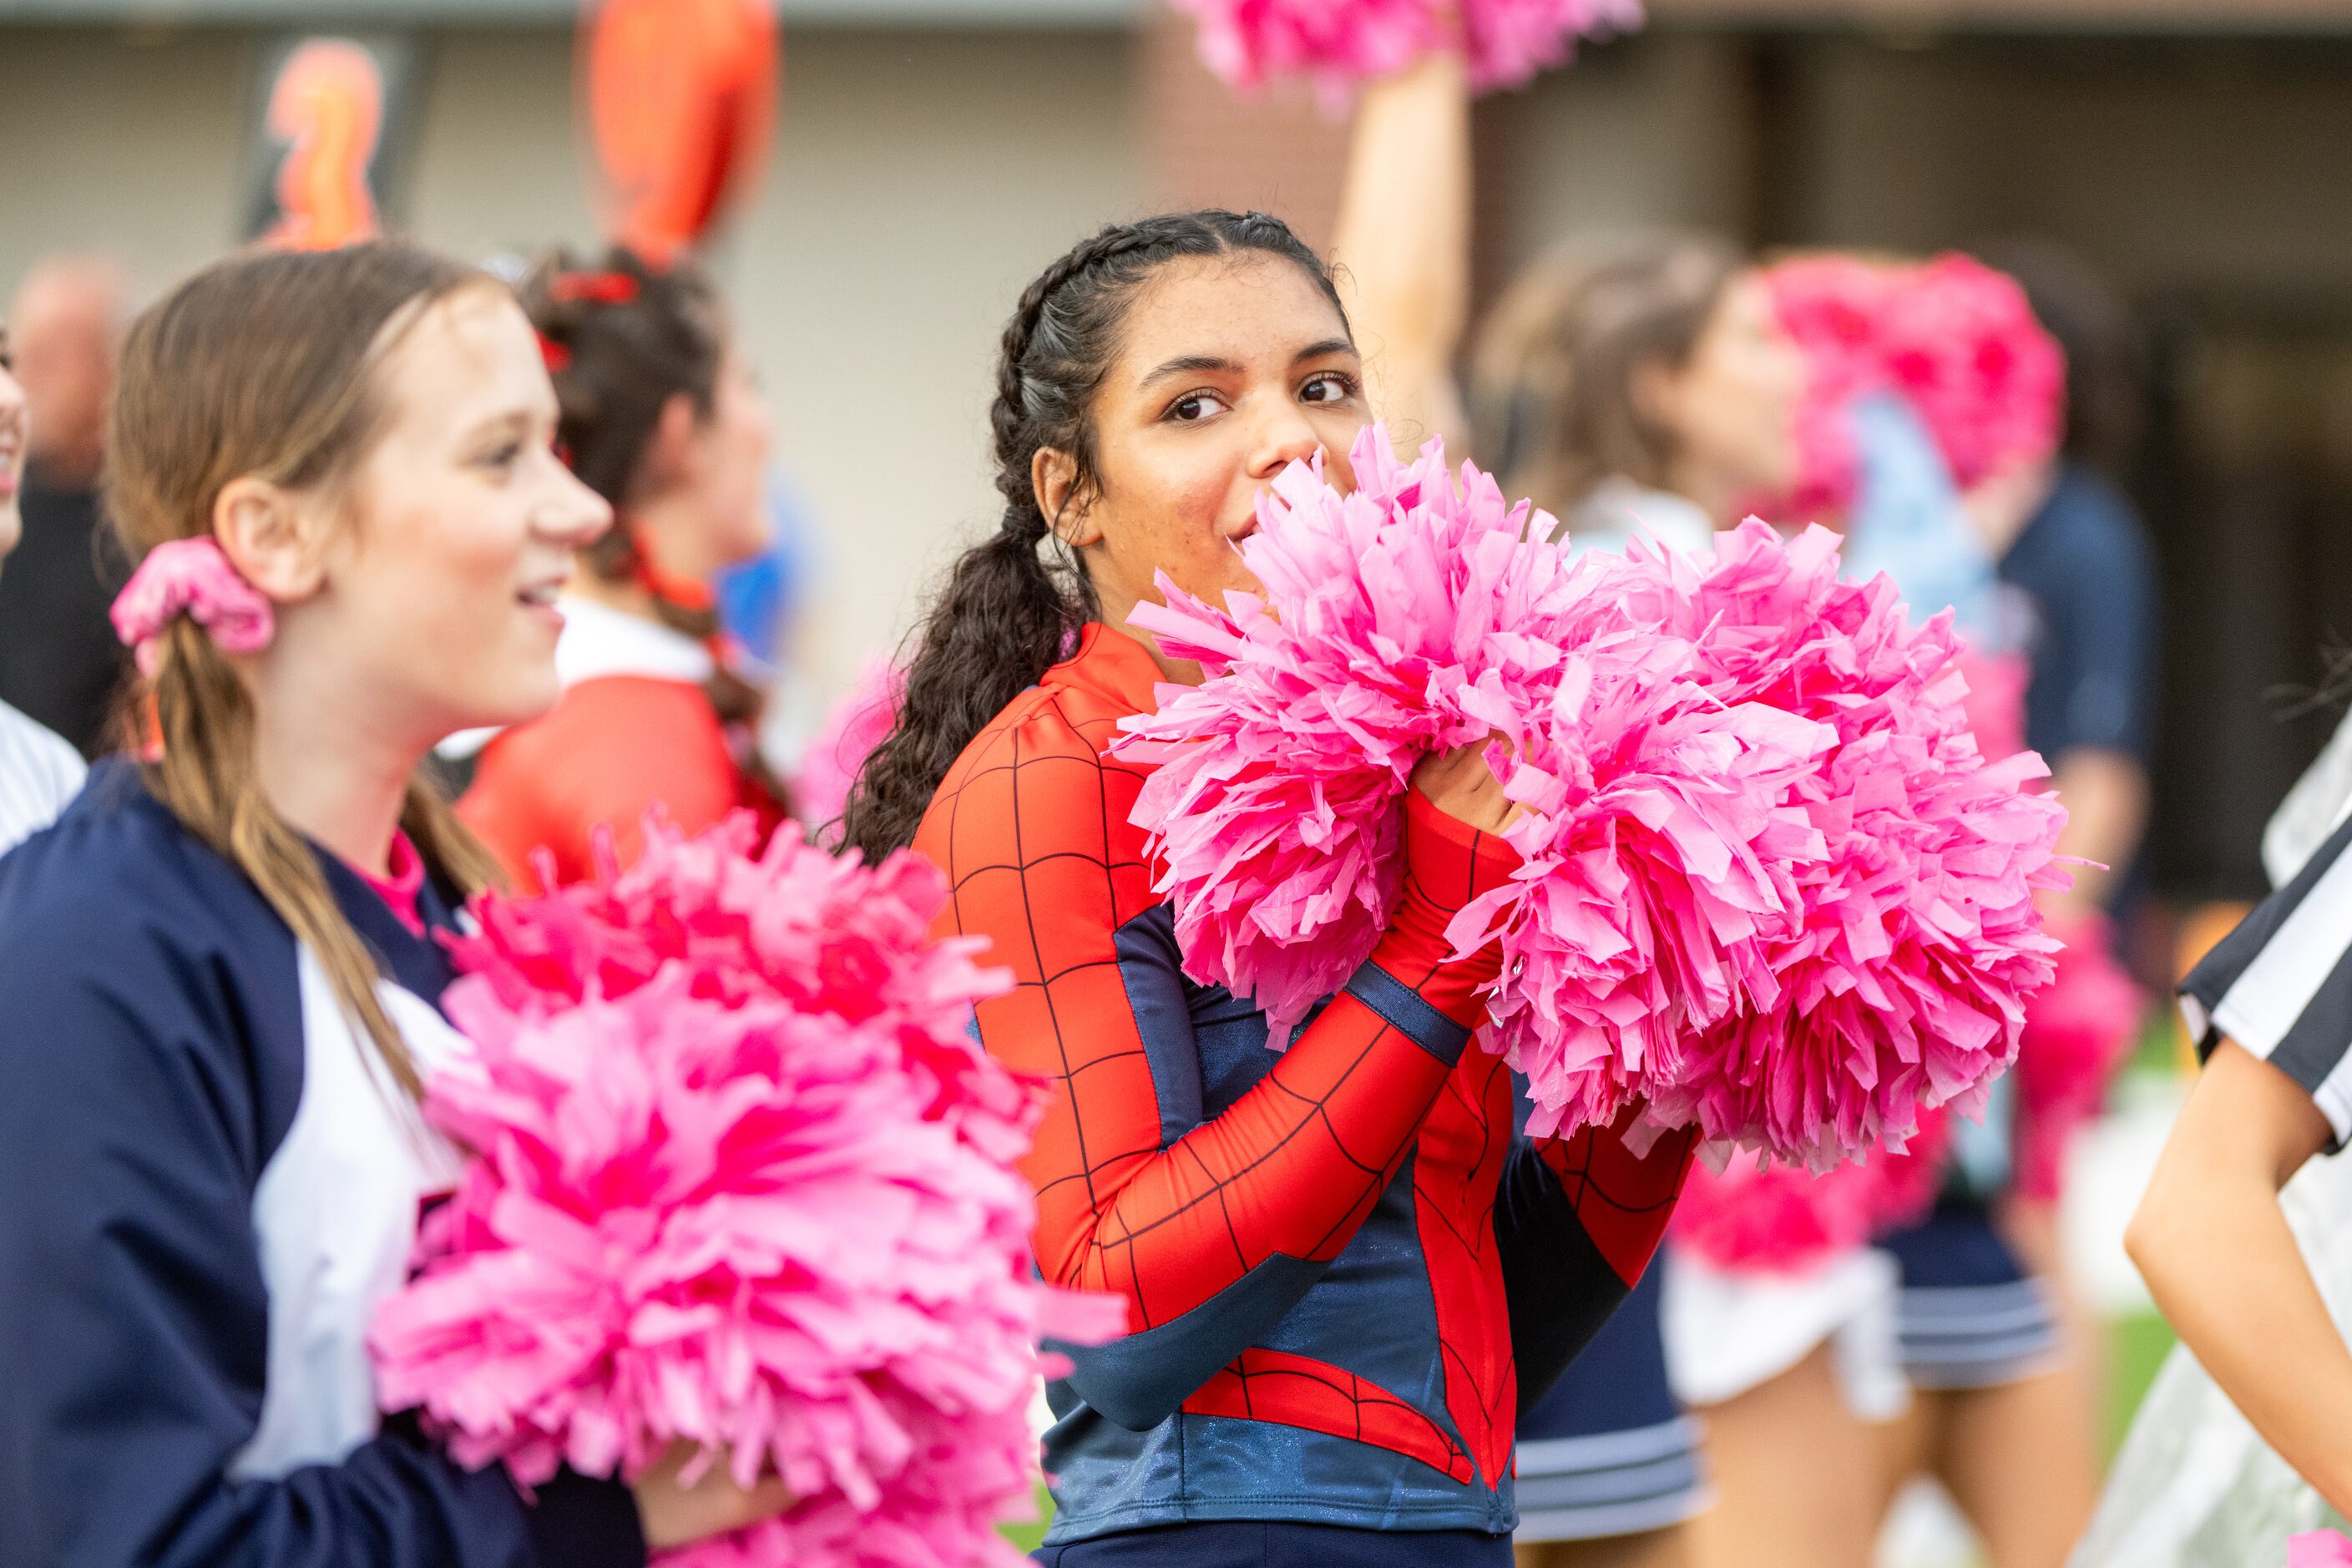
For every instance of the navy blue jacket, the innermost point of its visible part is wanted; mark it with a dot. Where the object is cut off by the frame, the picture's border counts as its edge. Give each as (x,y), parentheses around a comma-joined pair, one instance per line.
(153,1041)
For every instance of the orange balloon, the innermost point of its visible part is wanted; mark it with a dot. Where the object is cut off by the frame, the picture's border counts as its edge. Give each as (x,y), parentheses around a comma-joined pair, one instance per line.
(327,106)
(681,97)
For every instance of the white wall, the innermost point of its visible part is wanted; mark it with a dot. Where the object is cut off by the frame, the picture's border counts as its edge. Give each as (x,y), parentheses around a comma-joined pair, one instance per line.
(920,178)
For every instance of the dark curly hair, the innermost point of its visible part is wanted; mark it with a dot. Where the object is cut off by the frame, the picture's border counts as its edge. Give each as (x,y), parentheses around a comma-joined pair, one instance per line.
(1006,614)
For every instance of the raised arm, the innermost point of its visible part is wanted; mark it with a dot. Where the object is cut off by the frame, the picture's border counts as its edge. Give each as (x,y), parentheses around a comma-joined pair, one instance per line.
(1402,251)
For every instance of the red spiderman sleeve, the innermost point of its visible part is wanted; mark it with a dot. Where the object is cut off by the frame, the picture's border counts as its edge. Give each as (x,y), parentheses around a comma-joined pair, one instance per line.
(1212,1228)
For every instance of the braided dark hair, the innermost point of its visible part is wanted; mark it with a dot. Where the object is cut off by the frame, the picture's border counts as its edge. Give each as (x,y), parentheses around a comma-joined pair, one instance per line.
(1006,614)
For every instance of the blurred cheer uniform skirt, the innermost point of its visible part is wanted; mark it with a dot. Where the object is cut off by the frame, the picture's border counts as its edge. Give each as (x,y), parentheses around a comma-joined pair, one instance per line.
(1730,1331)
(1969,1314)
(1609,1451)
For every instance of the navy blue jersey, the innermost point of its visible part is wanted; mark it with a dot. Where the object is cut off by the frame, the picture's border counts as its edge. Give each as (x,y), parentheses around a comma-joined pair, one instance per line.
(2084,572)
(211,1182)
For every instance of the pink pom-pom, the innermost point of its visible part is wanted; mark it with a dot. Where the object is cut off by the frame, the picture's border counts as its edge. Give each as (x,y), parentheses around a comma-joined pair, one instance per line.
(1831,306)
(1954,338)
(1995,704)
(1899,980)
(1768,886)
(1407,617)
(860,721)
(1757,1215)
(2319,1548)
(1510,42)
(1962,344)
(740,1180)
(2077,1032)
(1341,43)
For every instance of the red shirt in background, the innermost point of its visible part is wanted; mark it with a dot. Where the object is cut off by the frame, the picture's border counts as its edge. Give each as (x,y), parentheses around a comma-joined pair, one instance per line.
(630,732)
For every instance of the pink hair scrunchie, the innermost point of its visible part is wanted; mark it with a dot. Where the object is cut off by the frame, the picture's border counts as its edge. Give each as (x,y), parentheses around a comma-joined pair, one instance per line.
(191,578)
(2319,1548)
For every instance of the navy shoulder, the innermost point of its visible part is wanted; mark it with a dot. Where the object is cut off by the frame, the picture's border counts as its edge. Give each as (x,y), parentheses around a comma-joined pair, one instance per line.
(119,868)
(2088,525)
(123,938)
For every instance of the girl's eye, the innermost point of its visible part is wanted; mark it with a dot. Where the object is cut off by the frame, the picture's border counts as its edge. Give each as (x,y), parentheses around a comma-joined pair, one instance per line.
(505,456)
(1194,406)
(1329,387)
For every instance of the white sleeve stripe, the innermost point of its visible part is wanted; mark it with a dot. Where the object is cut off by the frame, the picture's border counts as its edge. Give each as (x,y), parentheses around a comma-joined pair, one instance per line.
(2334,1097)
(2278,984)
(39,775)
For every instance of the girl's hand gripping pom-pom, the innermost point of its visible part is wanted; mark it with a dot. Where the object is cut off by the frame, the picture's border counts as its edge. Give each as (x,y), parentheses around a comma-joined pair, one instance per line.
(1768,886)
(742,1182)
(1413,617)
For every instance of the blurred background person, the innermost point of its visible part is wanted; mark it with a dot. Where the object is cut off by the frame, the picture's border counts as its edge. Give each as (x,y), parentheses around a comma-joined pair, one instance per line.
(2005,1363)
(38,772)
(2078,565)
(59,661)
(661,417)
(1633,386)
(1639,386)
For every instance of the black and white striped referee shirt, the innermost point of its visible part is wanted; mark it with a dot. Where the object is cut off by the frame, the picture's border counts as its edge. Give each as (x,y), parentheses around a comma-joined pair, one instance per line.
(39,775)
(2281,984)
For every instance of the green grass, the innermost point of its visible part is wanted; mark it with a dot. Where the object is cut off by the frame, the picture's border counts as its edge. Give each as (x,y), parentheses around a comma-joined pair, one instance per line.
(1028,1536)
(2136,1346)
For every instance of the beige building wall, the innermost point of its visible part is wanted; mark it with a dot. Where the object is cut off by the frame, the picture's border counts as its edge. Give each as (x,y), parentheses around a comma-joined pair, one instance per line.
(920,180)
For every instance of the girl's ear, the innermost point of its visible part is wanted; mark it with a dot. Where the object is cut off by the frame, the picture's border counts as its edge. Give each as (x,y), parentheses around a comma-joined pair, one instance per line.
(1069,511)
(275,539)
(1652,390)
(669,452)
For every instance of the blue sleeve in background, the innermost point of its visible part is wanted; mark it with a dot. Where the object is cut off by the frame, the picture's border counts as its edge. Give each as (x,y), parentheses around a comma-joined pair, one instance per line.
(2086,570)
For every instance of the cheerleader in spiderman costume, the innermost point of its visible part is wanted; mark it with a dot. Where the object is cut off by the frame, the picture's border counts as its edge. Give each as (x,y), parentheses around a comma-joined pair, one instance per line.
(663,418)
(1639,388)
(219,968)
(1343,1269)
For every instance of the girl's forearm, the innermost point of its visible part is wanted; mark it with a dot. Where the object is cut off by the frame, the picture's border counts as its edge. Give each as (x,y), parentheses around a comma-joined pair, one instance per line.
(2230,1277)
(2215,1249)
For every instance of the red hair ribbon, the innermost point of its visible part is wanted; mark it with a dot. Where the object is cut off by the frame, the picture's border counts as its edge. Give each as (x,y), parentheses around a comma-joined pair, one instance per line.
(558,357)
(597,287)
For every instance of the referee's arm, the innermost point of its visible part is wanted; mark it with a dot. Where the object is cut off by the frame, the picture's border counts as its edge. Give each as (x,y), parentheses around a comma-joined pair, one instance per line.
(2214,1246)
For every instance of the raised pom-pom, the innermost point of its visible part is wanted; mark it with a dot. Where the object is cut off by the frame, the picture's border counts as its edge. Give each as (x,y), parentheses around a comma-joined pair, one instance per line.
(1962,344)
(1341,43)
(739,1179)
(1768,885)
(1953,337)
